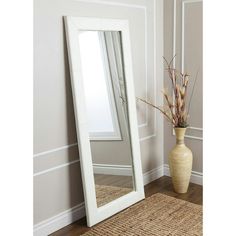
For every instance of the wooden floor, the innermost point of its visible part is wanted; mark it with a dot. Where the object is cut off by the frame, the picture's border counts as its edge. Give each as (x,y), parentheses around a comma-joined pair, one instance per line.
(161,185)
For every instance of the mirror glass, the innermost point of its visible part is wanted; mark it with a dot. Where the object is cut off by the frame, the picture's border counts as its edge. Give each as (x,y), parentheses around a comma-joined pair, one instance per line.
(102,70)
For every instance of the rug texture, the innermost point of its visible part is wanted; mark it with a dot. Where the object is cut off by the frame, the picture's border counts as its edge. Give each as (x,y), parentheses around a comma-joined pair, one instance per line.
(158,215)
(106,194)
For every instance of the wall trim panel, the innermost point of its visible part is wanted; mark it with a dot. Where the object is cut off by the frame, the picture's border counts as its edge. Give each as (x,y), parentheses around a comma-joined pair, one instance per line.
(182,51)
(55,168)
(41,154)
(68,163)
(55,150)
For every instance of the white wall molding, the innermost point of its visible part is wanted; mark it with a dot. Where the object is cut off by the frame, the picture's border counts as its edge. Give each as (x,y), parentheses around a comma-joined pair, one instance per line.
(55,150)
(113,3)
(68,163)
(152,175)
(123,170)
(40,154)
(55,168)
(155,67)
(147,137)
(59,221)
(191,1)
(196,177)
(182,52)
(184,2)
(182,25)
(69,216)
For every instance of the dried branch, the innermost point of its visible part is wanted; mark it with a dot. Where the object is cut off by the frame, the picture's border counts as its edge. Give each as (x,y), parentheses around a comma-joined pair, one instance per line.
(176,110)
(170,105)
(158,108)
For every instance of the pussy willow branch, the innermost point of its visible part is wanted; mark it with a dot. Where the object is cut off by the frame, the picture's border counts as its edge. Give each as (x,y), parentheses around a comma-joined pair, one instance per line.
(169,63)
(173,77)
(170,70)
(170,105)
(176,111)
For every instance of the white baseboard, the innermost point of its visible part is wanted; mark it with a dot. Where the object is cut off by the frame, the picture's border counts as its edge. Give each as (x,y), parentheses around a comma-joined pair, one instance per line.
(124,170)
(59,221)
(196,177)
(152,175)
(67,217)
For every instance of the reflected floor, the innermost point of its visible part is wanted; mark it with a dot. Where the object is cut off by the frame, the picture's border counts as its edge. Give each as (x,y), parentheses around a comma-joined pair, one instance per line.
(106,194)
(111,187)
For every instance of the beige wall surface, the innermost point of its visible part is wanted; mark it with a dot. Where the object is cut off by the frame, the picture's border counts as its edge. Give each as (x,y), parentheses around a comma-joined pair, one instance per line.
(183,36)
(57,182)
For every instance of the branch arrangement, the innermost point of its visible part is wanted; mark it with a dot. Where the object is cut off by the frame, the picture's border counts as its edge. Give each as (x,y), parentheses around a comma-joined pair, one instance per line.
(175,109)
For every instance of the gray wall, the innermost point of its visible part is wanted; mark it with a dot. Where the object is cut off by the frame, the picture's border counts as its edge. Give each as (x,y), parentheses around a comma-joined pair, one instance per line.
(57,182)
(191,57)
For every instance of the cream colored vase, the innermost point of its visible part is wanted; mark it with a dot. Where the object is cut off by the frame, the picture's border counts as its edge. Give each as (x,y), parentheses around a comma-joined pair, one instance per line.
(180,163)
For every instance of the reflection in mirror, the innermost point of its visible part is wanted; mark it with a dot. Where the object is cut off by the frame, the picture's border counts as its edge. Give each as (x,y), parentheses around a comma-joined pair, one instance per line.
(106,106)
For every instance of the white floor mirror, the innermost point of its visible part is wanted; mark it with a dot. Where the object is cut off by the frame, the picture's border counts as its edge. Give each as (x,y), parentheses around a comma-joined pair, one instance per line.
(105,114)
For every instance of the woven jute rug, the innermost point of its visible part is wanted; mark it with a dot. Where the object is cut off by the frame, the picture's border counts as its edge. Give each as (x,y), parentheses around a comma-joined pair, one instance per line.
(105,194)
(158,215)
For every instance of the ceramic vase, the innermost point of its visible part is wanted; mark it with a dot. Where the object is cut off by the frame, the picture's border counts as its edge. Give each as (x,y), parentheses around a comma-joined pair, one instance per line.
(180,163)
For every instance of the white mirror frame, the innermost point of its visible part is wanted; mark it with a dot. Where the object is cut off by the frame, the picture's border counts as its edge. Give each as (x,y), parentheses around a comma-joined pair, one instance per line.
(73,25)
